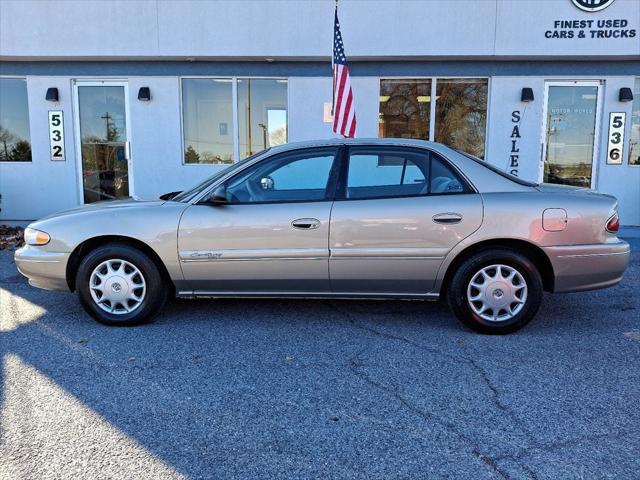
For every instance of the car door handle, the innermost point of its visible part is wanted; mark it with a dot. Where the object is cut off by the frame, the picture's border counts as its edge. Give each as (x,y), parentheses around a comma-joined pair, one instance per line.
(306,223)
(447,218)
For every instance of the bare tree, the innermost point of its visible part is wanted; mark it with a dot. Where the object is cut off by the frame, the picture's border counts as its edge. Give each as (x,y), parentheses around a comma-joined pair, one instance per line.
(6,139)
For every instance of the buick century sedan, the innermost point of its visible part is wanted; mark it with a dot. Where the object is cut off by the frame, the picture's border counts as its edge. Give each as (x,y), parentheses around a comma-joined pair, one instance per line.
(376,219)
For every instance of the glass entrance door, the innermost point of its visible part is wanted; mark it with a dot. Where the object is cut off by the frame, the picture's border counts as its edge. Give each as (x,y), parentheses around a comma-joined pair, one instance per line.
(570,131)
(101,120)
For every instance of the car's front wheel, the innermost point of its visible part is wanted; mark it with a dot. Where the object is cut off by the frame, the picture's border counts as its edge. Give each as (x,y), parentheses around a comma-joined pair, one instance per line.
(496,291)
(120,285)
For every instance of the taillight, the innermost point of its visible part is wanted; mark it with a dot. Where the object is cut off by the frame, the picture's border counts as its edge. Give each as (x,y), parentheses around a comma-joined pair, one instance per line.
(613,224)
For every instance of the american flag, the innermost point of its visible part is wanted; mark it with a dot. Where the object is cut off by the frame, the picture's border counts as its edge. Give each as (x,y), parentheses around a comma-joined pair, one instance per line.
(344,114)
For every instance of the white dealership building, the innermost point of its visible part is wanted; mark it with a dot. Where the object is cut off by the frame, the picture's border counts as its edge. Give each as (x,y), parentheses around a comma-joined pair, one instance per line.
(105,99)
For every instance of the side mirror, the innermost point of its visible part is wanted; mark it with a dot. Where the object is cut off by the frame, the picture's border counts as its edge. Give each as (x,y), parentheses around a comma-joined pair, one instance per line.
(267,183)
(169,196)
(219,196)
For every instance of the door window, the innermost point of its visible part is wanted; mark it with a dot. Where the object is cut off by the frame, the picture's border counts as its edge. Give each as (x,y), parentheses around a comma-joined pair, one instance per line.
(103,137)
(444,180)
(571,129)
(290,177)
(378,173)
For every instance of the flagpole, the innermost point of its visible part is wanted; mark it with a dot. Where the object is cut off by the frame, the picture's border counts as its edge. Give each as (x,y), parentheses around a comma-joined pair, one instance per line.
(333,72)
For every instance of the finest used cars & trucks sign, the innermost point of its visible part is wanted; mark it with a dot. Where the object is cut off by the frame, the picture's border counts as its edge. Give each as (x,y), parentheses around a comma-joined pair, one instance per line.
(600,28)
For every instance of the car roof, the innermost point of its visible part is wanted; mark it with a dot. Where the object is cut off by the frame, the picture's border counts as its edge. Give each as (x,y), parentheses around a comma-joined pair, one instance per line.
(356,141)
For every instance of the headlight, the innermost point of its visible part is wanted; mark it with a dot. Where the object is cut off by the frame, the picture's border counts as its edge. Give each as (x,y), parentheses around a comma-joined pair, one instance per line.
(35,237)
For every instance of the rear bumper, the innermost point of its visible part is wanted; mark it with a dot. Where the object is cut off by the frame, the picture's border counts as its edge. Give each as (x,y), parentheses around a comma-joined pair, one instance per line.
(588,267)
(46,270)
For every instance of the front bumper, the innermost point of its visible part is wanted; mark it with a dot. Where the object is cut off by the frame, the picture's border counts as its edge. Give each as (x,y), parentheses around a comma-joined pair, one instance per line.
(588,267)
(44,269)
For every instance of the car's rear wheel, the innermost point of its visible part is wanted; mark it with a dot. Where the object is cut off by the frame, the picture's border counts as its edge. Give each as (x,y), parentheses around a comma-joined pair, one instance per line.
(120,285)
(496,291)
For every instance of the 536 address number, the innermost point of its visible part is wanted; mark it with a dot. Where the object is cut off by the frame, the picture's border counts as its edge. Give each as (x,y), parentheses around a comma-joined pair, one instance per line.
(616,138)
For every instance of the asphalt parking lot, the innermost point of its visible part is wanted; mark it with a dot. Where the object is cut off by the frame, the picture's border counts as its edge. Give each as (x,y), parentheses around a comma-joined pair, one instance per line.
(319,389)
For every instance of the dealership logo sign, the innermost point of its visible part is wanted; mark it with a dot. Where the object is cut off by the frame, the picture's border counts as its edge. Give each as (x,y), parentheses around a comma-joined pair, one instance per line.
(592,5)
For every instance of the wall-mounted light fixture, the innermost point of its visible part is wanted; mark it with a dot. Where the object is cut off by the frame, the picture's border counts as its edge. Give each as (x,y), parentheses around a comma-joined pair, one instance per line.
(625,95)
(52,94)
(526,95)
(144,94)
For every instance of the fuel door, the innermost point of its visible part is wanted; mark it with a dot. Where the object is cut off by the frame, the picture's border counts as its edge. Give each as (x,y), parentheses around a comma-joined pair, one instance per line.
(554,219)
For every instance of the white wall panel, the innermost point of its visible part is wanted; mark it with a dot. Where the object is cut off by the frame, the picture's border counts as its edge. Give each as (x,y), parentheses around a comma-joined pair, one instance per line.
(504,100)
(257,29)
(156,141)
(34,189)
(521,28)
(622,181)
(307,96)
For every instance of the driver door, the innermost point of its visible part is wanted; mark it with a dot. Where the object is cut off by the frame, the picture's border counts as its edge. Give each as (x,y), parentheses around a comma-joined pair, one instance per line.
(273,234)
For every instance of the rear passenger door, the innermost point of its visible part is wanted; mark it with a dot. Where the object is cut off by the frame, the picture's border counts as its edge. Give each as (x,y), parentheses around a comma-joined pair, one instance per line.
(398,212)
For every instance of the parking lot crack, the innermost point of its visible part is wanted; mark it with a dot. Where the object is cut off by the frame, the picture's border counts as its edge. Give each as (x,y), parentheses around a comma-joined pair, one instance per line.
(482,373)
(494,393)
(356,364)
(497,401)
(559,444)
(352,322)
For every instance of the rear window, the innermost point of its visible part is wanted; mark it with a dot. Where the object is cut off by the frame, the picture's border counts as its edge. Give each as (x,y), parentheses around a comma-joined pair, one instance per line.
(500,172)
(386,172)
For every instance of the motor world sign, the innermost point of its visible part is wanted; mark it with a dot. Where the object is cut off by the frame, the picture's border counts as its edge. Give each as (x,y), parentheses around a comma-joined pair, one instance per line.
(592,5)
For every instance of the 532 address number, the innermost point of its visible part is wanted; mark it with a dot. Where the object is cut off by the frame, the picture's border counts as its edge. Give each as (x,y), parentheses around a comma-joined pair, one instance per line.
(56,134)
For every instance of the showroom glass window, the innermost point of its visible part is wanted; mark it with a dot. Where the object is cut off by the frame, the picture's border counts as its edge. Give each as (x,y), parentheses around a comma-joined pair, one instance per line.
(207,120)
(461,114)
(405,108)
(262,114)
(634,144)
(459,111)
(15,140)
(210,133)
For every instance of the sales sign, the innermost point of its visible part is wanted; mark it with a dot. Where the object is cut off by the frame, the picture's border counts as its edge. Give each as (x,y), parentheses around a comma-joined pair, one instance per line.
(616,138)
(56,134)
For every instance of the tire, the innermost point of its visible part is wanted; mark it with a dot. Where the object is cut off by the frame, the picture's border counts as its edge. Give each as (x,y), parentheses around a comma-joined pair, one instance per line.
(108,272)
(502,305)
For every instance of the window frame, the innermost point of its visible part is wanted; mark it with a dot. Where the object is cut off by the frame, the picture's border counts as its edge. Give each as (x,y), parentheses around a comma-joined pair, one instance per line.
(636,98)
(330,189)
(21,162)
(341,187)
(233,79)
(432,104)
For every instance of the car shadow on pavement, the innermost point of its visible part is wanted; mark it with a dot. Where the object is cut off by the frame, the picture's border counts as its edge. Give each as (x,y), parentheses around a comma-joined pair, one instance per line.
(202,364)
(319,388)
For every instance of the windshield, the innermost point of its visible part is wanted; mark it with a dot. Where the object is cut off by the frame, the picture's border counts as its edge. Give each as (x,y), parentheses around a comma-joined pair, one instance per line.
(500,172)
(188,195)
